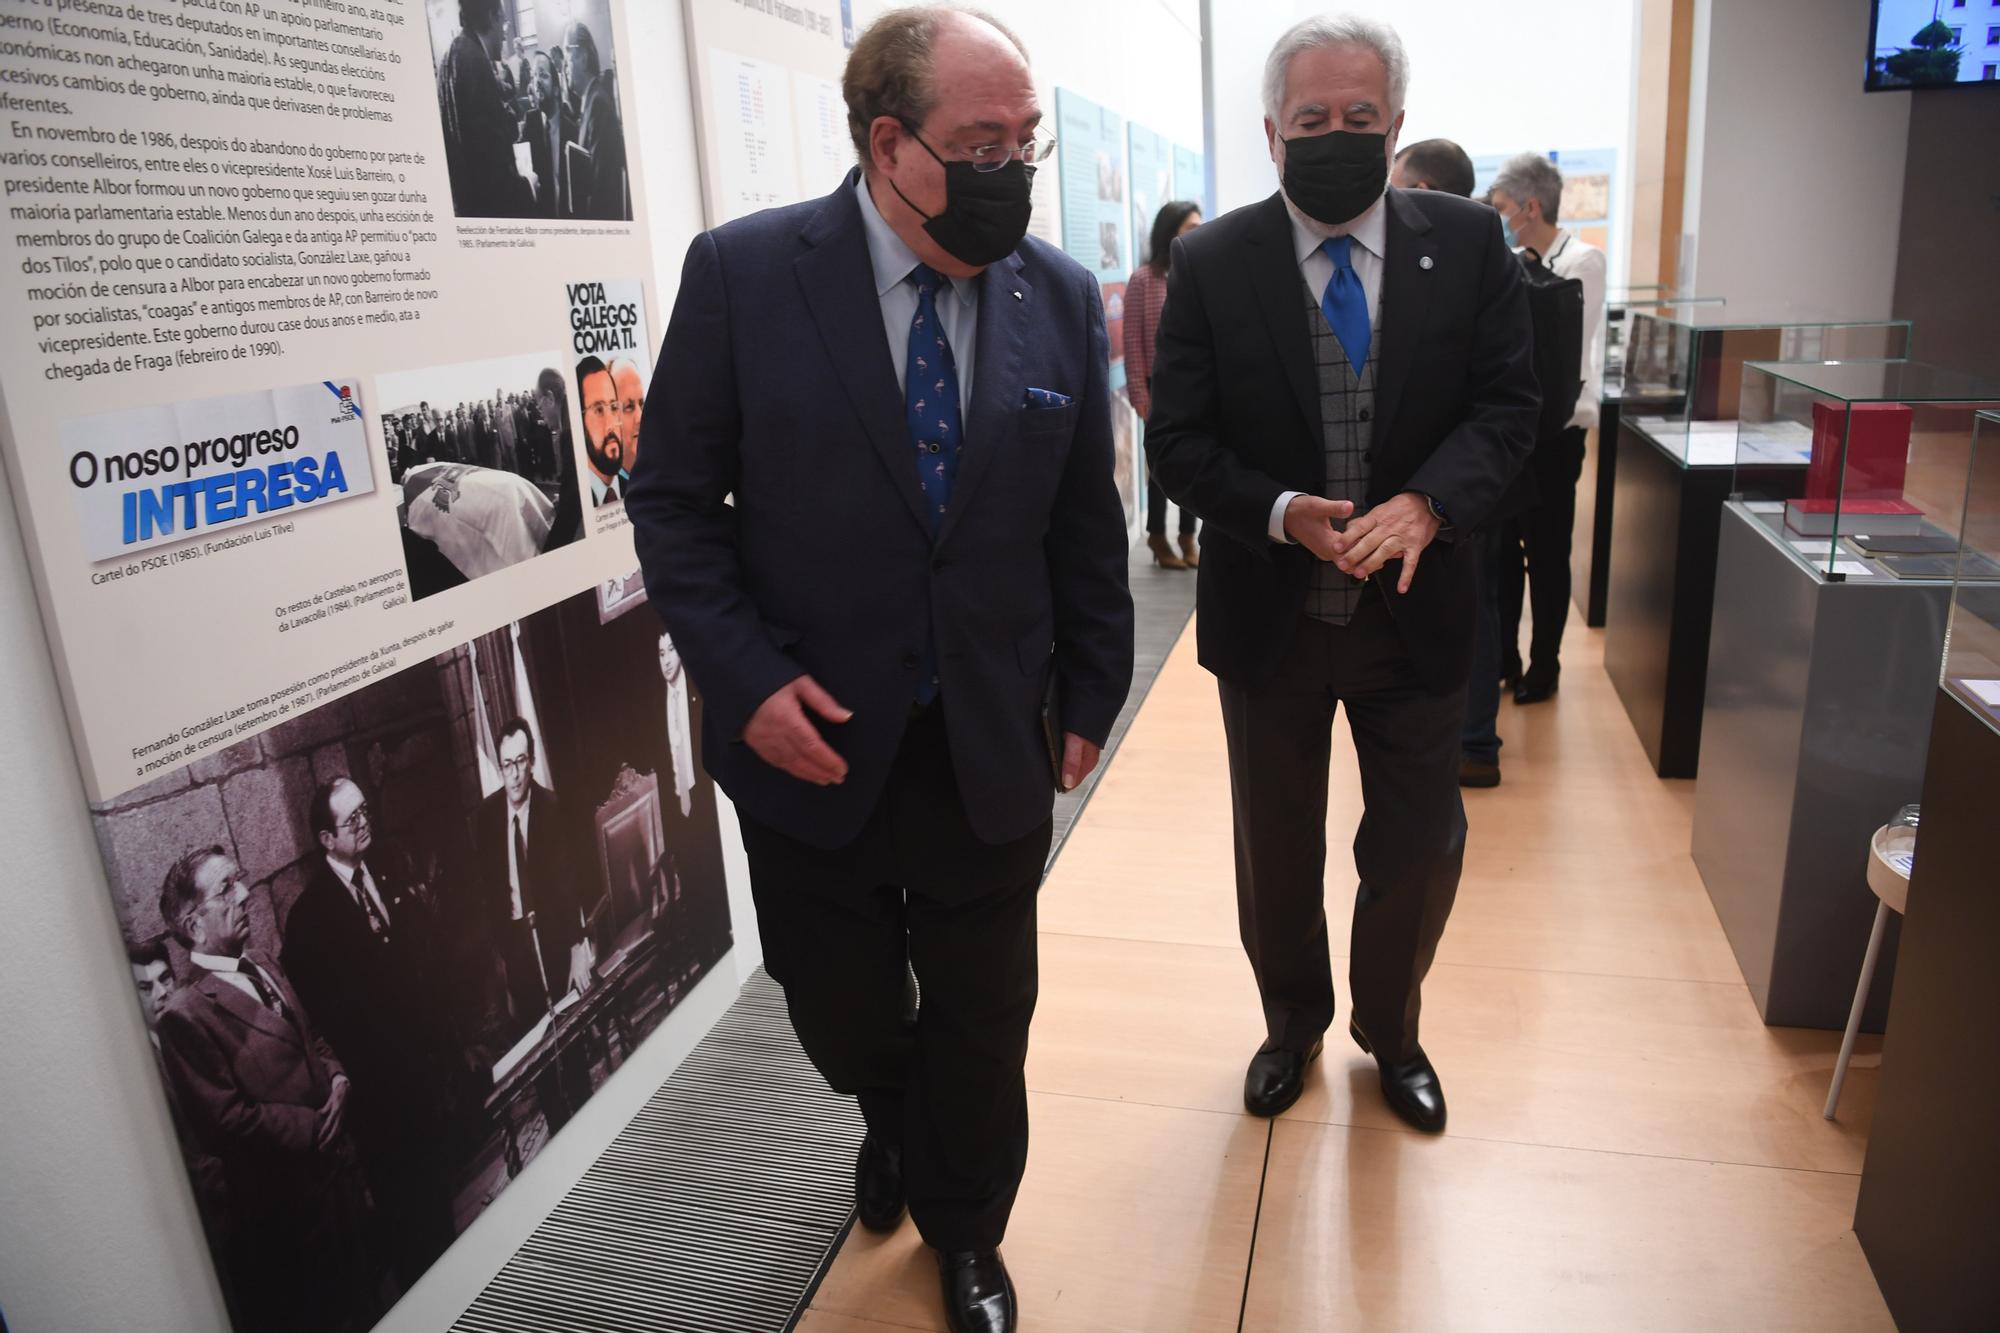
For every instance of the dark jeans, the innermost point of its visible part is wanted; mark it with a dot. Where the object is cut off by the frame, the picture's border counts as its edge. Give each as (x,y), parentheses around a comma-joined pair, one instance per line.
(842,929)
(1481,740)
(1542,536)
(1409,848)
(1156,510)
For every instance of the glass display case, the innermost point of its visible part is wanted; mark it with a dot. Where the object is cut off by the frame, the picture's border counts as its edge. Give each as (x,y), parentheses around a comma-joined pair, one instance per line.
(1619,307)
(1972,635)
(1685,366)
(1859,468)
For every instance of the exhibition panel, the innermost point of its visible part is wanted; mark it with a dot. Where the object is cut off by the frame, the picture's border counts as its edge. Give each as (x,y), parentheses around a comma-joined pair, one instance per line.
(1590,559)
(1929,1204)
(1860,468)
(1687,365)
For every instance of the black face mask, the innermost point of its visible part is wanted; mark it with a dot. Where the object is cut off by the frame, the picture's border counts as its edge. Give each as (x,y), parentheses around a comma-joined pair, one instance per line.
(1335,178)
(985,212)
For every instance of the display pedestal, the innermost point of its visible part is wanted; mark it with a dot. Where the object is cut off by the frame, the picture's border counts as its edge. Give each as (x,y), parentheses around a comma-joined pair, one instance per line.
(1817,720)
(1661,590)
(1930,1192)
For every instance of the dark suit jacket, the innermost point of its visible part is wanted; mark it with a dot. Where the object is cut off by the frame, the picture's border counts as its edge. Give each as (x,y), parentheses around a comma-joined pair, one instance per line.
(251,1084)
(546,157)
(1236,422)
(775,385)
(560,865)
(602,135)
(373,999)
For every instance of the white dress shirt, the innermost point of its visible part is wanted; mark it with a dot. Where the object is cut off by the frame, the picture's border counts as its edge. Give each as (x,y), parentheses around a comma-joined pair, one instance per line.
(231,970)
(345,873)
(1371,240)
(957,303)
(1572,258)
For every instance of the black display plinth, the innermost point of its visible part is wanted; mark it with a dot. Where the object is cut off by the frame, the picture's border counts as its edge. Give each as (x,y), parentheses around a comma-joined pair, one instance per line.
(1929,1212)
(1661,594)
(1590,558)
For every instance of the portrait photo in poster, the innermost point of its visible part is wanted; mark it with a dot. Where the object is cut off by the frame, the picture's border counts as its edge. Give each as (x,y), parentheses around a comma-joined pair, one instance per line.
(484,458)
(528,99)
(388,947)
(607,323)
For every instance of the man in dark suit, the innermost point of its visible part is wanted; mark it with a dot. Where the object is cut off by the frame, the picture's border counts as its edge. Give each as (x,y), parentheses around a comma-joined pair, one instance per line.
(547,128)
(359,948)
(598,193)
(1342,391)
(531,867)
(875,717)
(266,1096)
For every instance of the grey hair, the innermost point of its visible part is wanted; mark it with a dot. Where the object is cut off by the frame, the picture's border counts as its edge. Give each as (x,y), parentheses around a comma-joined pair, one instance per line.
(1532,176)
(1336,30)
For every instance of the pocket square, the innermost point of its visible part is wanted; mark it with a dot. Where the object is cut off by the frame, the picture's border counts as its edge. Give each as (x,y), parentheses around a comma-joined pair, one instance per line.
(1045,398)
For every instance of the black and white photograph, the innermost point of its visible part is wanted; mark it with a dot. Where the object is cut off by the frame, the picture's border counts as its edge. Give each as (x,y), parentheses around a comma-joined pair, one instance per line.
(529,101)
(483,455)
(387,948)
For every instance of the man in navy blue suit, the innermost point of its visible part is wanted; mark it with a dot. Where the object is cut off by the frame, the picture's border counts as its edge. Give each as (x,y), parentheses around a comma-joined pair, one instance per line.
(876,510)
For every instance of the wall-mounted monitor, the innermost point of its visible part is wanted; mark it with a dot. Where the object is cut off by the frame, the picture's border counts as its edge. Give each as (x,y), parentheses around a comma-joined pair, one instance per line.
(1933,44)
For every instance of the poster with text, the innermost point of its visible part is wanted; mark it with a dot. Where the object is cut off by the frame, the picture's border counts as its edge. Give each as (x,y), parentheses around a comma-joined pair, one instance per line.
(1151,185)
(325,333)
(768,106)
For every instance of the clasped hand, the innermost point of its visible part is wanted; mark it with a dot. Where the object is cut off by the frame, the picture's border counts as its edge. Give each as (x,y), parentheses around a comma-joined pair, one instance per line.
(1399,528)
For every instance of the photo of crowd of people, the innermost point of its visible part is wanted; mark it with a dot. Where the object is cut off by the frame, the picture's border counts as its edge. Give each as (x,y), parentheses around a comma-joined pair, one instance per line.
(388,947)
(528,96)
(483,454)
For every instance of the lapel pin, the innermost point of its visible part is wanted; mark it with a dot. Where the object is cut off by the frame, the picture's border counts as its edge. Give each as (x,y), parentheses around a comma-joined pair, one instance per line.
(1424,263)
(1019,297)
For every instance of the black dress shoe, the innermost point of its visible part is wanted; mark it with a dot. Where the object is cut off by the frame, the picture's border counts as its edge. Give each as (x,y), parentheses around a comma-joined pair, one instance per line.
(1510,674)
(1537,685)
(1276,1078)
(1478,773)
(978,1294)
(878,1185)
(1411,1088)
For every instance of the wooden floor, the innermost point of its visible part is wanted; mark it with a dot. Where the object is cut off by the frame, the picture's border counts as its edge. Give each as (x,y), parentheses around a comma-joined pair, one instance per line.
(1629,1147)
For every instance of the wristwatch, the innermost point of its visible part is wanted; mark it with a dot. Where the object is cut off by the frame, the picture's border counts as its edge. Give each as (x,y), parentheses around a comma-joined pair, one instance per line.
(1437,511)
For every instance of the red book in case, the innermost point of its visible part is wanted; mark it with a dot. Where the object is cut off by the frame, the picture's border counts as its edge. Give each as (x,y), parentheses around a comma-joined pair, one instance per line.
(1876,456)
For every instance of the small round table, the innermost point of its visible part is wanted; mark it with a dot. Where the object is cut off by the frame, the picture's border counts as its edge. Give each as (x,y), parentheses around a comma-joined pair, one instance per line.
(1890,854)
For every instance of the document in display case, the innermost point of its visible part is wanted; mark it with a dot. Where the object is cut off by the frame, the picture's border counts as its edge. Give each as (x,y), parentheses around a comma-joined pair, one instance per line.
(1860,469)
(1686,363)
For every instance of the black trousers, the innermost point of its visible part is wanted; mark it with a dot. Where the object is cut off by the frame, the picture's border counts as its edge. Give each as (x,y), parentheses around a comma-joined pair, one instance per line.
(1541,535)
(918,891)
(1409,848)
(1156,510)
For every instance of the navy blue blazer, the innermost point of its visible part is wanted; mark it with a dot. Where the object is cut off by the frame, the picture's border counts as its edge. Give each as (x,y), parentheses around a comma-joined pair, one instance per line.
(782,529)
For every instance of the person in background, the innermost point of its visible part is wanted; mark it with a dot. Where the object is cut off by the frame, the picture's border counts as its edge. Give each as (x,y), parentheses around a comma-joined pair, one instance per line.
(552,412)
(603,431)
(268,1098)
(1441,165)
(1145,294)
(546,127)
(1434,164)
(599,194)
(630,380)
(1343,386)
(479,125)
(1528,194)
(927,394)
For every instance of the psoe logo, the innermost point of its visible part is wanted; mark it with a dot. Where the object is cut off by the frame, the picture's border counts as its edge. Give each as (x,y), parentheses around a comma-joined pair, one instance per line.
(349,409)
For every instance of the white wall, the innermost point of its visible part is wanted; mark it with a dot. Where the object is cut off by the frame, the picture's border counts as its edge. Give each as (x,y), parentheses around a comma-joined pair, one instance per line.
(1494,78)
(1795,175)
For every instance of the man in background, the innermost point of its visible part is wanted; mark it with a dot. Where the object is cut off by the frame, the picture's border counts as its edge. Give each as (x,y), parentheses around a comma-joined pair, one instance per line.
(599,193)
(547,127)
(1440,164)
(479,126)
(1528,194)
(267,1097)
(603,431)
(360,945)
(630,381)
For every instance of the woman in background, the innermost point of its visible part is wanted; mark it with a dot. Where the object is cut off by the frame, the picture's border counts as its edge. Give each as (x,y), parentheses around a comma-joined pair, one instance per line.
(1145,297)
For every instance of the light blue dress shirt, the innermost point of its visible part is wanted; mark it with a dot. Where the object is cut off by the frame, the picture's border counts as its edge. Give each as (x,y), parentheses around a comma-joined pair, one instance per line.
(957,304)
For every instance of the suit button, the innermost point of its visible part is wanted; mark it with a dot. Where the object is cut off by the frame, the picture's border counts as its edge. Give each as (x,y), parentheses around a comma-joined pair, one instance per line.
(1365,414)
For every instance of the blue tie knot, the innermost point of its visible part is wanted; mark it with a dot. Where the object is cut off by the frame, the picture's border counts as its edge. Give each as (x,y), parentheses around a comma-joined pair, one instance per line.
(1338,249)
(926,278)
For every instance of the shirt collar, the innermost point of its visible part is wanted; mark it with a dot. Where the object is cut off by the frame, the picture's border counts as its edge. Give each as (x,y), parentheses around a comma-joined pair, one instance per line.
(214,963)
(891,257)
(341,868)
(1370,231)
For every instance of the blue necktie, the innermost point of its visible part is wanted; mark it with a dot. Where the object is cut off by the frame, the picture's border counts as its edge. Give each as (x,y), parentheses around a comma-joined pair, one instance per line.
(1345,304)
(930,408)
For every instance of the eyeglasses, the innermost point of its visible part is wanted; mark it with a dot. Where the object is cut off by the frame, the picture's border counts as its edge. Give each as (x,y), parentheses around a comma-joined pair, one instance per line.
(227,890)
(993,156)
(601,412)
(357,821)
(520,765)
